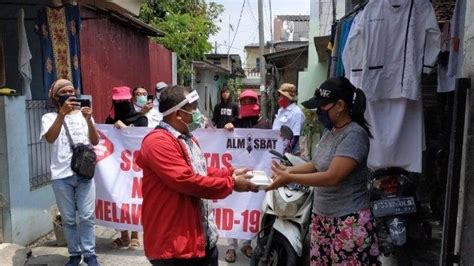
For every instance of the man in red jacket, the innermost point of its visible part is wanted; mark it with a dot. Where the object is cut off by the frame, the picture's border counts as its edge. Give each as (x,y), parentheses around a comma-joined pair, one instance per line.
(178,223)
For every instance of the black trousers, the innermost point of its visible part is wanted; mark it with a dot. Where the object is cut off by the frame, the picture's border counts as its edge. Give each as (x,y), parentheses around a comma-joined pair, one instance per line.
(211,259)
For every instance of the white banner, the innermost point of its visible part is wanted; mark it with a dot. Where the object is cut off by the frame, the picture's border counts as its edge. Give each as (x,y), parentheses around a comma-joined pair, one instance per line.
(118,179)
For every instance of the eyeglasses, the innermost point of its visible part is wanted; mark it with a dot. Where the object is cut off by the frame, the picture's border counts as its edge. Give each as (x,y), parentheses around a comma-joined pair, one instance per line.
(141,94)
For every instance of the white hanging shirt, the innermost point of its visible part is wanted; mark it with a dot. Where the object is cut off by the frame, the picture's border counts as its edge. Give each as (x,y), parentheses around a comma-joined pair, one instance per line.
(388,45)
(398,134)
(61,152)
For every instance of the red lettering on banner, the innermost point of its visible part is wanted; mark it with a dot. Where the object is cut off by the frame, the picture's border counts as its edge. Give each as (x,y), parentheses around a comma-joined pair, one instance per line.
(136,168)
(224,218)
(114,213)
(228,219)
(136,214)
(227,159)
(107,211)
(129,161)
(125,214)
(99,210)
(216,160)
(137,188)
(217,216)
(126,155)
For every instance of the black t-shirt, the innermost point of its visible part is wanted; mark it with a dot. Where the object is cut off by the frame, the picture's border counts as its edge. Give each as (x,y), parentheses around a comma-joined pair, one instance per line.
(225,113)
(135,119)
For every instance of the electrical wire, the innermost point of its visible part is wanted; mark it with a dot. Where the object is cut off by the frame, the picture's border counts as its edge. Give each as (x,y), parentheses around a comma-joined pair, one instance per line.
(237,28)
(251,12)
(290,64)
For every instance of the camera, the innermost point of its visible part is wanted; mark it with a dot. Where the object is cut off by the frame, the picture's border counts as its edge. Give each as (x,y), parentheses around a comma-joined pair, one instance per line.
(150,97)
(83,102)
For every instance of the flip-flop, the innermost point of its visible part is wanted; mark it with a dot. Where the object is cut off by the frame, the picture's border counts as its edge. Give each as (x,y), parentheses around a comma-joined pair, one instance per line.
(134,244)
(119,243)
(247,250)
(230,256)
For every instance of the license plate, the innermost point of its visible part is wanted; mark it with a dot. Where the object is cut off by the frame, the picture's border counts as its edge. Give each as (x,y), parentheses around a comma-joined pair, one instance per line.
(393,206)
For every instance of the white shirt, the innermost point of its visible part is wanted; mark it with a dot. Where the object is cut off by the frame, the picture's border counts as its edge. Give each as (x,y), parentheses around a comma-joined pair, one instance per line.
(398,130)
(375,58)
(61,153)
(292,117)
(154,116)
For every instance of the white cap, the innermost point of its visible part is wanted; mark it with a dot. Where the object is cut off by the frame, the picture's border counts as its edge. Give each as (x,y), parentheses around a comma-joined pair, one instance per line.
(160,86)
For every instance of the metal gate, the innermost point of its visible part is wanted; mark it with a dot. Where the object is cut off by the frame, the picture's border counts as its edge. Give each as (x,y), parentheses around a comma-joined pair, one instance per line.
(38,150)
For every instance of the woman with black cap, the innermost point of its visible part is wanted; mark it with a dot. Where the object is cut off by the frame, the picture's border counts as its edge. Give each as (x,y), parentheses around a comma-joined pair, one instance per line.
(342,224)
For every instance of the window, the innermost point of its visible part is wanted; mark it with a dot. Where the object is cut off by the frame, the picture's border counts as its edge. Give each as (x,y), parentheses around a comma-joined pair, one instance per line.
(257,65)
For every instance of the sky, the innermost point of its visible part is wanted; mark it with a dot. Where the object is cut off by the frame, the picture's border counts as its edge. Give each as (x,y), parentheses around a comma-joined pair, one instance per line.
(246,31)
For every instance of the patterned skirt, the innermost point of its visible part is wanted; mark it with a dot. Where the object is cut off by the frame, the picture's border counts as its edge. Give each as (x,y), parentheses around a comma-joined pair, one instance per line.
(347,240)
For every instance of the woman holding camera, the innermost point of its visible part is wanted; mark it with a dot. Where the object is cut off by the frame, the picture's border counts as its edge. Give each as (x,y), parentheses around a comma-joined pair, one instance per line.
(72,191)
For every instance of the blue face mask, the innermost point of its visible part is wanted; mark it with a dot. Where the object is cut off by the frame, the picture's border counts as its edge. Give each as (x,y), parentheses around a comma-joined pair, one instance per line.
(323,118)
(142,100)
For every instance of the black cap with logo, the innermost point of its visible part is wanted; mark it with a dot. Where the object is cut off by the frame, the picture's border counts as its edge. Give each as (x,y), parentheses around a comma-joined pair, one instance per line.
(330,91)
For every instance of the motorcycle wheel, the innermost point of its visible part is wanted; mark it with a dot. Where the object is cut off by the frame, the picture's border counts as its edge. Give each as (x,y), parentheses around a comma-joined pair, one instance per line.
(281,253)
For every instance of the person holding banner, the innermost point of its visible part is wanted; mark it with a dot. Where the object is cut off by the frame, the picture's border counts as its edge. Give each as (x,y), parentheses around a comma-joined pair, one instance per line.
(343,230)
(225,112)
(125,116)
(122,113)
(73,192)
(177,218)
(249,117)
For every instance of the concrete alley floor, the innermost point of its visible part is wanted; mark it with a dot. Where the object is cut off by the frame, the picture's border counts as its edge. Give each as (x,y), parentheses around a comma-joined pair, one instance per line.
(46,253)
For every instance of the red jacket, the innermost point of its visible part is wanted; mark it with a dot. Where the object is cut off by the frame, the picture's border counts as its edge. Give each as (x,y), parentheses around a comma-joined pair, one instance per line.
(171,213)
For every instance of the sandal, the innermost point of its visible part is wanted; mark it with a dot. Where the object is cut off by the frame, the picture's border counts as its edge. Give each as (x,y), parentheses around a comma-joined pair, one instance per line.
(230,256)
(134,244)
(247,250)
(120,243)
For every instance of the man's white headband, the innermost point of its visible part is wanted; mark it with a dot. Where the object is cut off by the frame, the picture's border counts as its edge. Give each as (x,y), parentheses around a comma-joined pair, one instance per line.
(190,98)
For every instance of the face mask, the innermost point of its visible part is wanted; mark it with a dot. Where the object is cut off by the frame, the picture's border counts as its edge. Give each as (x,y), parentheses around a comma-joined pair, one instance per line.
(249,110)
(283,102)
(63,98)
(323,118)
(141,100)
(196,122)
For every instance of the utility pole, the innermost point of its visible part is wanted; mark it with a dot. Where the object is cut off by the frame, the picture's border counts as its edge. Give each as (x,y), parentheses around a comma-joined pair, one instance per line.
(263,91)
(271,25)
(228,45)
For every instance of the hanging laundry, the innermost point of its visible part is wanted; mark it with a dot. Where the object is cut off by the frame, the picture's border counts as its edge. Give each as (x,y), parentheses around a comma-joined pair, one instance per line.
(446,83)
(398,38)
(24,56)
(455,30)
(58,28)
(390,44)
(345,29)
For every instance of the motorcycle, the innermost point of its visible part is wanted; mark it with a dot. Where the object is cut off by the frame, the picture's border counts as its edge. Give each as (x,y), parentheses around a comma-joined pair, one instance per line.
(285,223)
(394,206)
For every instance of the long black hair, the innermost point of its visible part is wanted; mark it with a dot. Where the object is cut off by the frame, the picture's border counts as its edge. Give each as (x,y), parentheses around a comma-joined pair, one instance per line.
(354,98)
(358,110)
